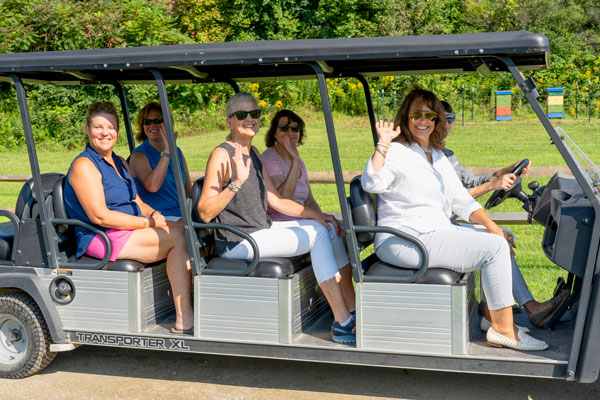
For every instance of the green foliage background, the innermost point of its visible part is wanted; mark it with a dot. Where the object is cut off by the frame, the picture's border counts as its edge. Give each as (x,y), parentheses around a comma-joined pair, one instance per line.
(572,26)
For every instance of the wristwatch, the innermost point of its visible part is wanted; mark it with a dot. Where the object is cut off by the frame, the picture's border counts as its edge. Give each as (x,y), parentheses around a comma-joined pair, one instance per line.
(233,187)
(165,154)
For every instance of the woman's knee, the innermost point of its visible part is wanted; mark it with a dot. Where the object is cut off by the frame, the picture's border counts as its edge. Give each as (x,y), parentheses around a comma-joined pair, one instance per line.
(498,245)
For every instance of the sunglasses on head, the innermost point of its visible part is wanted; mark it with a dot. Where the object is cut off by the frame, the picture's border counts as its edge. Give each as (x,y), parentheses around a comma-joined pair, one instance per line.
(285,128)
(450,118)
(417,115)
(241,115)
(157,121)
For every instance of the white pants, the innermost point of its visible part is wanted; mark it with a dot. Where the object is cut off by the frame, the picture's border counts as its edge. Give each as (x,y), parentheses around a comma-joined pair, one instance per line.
(463,250)
(292,238)
(520,290)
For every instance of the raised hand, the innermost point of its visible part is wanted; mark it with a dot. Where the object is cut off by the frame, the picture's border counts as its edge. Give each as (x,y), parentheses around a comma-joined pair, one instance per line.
(241,168)
(385,131)
(291,148)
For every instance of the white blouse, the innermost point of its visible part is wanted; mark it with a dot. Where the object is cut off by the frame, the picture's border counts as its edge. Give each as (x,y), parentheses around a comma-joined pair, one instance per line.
(415,196)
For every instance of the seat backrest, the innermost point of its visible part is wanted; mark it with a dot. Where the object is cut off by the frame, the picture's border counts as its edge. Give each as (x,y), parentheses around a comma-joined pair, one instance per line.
(205,236)
(27,204)
(58,206)
(363,210)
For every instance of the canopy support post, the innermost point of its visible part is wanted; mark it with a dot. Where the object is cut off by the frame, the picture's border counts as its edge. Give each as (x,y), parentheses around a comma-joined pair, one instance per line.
(339,177)
(49,252)
(196,261)
(125,112)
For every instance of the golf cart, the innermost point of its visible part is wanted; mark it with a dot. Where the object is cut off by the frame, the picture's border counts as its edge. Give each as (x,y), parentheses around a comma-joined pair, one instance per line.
(272,308)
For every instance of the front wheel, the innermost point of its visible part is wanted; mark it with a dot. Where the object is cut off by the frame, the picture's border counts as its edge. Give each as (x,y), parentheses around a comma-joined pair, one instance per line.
(24,337)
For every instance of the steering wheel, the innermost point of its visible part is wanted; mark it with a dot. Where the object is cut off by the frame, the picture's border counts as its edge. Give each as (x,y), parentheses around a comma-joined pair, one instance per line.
(515,190)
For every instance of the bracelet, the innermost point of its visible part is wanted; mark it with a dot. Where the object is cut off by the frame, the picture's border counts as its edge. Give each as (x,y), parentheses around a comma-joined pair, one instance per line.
(384,145)
(233,187)
(152,213)
(146,222)
(165,155)
(381,152)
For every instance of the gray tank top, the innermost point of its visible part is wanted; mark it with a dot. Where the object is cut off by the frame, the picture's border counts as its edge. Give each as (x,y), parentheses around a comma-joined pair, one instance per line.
(247,210)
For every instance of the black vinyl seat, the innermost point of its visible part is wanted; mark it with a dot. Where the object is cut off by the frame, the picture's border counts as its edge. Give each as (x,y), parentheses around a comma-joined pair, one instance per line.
(271,267)
(364,214)
(67,242)
(26,207)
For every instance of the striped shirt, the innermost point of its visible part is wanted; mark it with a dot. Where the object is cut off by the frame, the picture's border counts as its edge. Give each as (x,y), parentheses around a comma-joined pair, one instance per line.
(277,167)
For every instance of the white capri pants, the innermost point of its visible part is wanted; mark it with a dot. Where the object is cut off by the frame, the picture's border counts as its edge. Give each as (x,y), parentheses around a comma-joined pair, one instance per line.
(459,249)
(293,238)
(520,290)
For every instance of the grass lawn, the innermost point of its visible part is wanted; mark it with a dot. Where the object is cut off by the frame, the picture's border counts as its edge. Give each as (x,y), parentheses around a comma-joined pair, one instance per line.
(488,143)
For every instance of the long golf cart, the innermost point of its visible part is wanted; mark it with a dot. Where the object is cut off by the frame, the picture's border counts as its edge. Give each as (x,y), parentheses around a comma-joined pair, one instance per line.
(271,308)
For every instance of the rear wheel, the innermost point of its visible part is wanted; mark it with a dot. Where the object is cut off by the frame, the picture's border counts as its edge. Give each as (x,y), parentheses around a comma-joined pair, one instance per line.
(24,337)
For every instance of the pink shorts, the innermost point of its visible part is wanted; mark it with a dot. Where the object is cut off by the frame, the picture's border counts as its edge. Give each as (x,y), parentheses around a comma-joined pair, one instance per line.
(117,237)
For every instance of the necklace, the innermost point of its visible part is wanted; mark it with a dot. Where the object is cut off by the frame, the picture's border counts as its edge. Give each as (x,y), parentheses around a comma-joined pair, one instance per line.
(428,151)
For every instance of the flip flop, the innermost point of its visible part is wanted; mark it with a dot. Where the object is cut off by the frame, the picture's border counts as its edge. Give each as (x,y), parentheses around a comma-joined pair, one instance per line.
(189,331)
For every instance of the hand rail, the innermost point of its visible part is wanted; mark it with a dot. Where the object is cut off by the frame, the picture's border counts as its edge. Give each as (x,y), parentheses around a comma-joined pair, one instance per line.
(244,235)
(100,263)
(15,221)
(418,273)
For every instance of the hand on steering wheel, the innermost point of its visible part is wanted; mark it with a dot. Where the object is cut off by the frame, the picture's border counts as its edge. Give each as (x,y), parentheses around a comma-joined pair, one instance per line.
(500,195)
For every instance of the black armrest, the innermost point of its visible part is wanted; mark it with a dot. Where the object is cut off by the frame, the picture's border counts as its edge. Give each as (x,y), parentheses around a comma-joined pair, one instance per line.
(244,235)
(15,223)
(100,263)
(408,279)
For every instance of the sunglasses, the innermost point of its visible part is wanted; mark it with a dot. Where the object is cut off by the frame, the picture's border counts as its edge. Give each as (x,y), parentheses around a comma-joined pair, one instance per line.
(450,118)
(417,115)
(285,128)
(241,115)
(157,121)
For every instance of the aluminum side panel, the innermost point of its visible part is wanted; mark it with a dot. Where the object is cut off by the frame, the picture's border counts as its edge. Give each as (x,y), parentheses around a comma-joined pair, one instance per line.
(238,308)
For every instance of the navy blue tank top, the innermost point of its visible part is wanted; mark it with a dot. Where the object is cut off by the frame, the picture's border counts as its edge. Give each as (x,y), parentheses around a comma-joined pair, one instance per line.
(164,199)
(119,193)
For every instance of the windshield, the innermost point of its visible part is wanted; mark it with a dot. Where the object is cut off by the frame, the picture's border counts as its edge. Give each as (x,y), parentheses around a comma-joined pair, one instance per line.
(592,169)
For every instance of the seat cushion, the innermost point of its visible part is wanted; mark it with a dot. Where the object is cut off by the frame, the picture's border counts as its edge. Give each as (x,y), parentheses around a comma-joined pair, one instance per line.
(433,276)
(272,267)
(118,265)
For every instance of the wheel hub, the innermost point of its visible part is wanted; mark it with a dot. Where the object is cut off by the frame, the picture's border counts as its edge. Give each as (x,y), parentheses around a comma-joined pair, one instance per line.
(13,340)
(15,335)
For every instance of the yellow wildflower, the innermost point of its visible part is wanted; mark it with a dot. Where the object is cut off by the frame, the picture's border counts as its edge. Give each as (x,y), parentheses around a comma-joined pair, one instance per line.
(278,104)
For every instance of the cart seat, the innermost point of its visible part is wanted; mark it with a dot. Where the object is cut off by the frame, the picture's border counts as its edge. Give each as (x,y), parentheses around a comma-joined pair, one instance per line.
(364,214)
(271,267)
(67,242)
(433,276)
(26,207)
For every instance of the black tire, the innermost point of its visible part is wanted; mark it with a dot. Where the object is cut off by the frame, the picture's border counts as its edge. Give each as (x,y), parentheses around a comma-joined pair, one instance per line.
(24,337)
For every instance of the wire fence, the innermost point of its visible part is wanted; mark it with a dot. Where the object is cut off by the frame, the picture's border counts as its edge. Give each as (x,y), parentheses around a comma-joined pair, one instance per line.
(470,103)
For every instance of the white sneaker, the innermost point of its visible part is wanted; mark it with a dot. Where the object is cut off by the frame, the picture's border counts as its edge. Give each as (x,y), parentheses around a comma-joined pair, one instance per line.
(484,325)
(525,342)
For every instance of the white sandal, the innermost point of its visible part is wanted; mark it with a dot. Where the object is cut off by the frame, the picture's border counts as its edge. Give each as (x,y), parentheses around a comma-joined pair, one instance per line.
(525,342)
(486,324)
